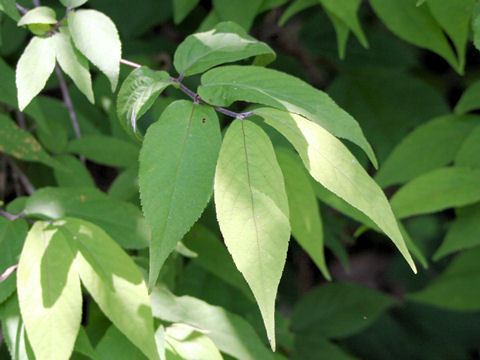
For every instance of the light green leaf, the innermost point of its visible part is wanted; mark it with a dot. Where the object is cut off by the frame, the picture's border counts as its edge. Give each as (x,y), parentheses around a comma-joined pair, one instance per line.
(177,166)
(73,3)
(122,221)
(463,233)
(458,287)
(74,64)
(470,99)
(34,68)
(213,256)
(137,94)
(114,282)
(294,8)
(182,342)
(231,333)
(226,42)
(181,8)
(224,85)
(415,25)
(8,7)
(305,217)
(331,164)
(437,190)
(21,144)
(38,15)
(73,173)
(346,11)
(420,151)
(252,211)
(12,237)
(49,292)
(105,150)
(338,310)
(96,36)
(454,17)
(243,12)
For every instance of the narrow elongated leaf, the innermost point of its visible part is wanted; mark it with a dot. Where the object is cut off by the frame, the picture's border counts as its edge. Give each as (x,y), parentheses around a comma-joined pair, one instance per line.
(181,8)
(12,237)
(96,36)
(177,166)
(105,150)
(9,8)
(252,211)
(74,63)
(470,99)
(222,86)
(469,153)
(437,190)
(342,32)
(464,232)
(122,221)
(183,342)
(458,287)
(419,152)
(415,25)
(243,12)
(305,218)
(332,165)
(137,94)
(49,292)
(338,310)
(226,42)
(294,8)
(231,333)
(34,68)
(115,283)
(21,144)
(38,15)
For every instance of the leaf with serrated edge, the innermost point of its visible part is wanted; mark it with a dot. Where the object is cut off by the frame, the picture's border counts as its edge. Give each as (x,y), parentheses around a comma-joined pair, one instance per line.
(177,166)
(96,36)
(224,85)
(252,211)
(34,68)
(114,282)
(332,165)
(49,292)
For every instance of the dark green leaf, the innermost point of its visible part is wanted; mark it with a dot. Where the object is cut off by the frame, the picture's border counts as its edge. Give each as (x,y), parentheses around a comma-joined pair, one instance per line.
(243,12)
(8,7)
(469,153)
(181,8)
(73,173)
(470,99)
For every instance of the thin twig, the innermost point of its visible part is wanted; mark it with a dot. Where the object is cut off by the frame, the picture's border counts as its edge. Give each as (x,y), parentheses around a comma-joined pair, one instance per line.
(36,3)
(68,101)
(21,8)
(3,178)
(8,272)
(21,120)
(29,188)
(9,216)
(130,63)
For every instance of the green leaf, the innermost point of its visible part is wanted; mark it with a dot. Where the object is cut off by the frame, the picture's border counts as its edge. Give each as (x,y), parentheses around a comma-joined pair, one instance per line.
(106,150)
(38,15)
(231,333)
(470,99)
(74,64)
(305,218)
(415,25)
(125,185)
(314,347)
(458,287)
(34,68)
(222,86)
(9,8)
(342,32)
(49,292)
(121,220)
(469,153)
(21,144)
(115,346)
(177,166)
(243,12)
(226,42)
(454,17)
(96,36)
(252,211)
(73,173)
(294,8)
(181,8)
(114,282)
(476,26)
(463,233)
(419,152)
(182,342)
(12,236)
(214,257)
(73,3)
(338,310)
(84,346)
(346,11)
(331,164)
(437,190)
(137,94)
